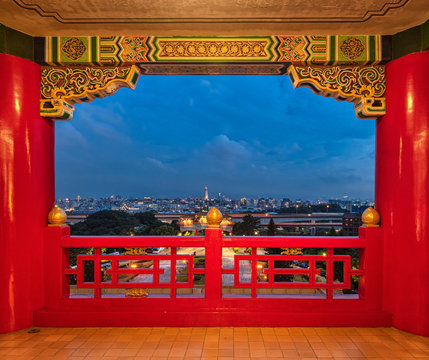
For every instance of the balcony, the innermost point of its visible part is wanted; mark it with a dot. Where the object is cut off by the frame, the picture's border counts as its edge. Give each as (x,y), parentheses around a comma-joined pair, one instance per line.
(212,280)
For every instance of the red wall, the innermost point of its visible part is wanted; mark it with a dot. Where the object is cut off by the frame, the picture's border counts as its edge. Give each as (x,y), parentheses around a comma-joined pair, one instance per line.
(402,191)
(26,191)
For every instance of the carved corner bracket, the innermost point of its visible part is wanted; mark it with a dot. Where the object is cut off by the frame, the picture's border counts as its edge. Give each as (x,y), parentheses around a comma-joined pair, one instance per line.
(63,87)
(364,86)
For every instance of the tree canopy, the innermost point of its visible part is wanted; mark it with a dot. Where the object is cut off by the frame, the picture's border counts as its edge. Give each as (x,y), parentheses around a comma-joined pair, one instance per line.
(271,228)
(110,222)
(105,222)
(248,226)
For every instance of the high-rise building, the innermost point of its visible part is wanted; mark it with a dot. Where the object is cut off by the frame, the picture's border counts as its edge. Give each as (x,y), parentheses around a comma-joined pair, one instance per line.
(206,193)
(351,224)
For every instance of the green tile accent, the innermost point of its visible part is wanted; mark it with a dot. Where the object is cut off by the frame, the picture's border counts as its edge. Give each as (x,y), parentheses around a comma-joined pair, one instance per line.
(332,49)
(425,36)
(16,43)
(135,78)
(54,49)
(94,50)
(372,48)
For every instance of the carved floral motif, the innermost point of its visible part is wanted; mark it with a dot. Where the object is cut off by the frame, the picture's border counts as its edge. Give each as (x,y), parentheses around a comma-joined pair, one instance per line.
(213,48)
(352,48)
(74,48)
(292,251)
(365,86)
(356,80)
(66,82)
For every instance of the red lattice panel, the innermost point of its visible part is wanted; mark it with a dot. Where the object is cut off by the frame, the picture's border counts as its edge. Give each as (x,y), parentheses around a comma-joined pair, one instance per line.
(155,270)
(311,271)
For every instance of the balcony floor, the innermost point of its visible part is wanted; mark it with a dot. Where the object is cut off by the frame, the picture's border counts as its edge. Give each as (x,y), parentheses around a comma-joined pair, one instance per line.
(213,343)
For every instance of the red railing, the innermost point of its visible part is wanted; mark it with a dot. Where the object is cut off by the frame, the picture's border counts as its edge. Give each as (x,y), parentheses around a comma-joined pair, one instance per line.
(311,272)
(142,275)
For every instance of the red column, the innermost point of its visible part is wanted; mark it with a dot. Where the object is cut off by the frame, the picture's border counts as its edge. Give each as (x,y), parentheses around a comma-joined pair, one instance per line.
(26,191)
(402,191)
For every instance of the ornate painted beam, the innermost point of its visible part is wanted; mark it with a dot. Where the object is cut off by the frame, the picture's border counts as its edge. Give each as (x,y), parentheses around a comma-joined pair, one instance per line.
(84,68)
(129,50)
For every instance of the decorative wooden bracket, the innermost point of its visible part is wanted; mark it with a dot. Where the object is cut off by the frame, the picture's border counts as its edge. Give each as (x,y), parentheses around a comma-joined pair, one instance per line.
(363,85)
(84,68)
(62,87)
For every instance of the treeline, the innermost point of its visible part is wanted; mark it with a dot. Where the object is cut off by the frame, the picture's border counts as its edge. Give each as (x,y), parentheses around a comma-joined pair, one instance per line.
(110,222)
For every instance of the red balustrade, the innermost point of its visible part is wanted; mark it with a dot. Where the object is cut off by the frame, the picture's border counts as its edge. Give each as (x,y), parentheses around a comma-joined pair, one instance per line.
(311,271)
(264,299)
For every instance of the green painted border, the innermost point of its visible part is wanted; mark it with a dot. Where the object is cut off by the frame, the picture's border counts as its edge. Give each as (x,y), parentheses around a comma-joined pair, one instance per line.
(332,49)
(372,45)
(16,43)
(415,39)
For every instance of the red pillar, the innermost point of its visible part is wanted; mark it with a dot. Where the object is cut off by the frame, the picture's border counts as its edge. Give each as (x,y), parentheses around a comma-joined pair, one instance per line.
(26,191)
(402,191)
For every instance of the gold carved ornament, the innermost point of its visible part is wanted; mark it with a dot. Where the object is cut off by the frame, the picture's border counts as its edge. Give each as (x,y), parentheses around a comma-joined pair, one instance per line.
(135,251)
(137,292)
(292,251)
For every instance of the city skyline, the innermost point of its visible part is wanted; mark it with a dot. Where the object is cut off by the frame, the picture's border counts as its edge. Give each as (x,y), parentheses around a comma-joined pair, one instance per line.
(252,136)
(213,196)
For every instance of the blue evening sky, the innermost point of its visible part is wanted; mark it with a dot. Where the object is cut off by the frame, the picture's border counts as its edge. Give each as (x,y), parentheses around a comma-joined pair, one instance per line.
(239,135)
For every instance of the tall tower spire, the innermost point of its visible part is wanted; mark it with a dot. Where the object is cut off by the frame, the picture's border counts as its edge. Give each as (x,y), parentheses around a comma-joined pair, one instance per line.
(206,193)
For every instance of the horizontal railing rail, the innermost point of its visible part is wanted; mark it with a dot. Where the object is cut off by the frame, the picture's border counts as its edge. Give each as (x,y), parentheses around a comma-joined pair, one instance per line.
(214,273)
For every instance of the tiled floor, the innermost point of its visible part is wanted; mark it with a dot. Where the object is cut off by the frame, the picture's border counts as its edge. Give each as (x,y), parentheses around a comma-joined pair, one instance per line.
(213,343)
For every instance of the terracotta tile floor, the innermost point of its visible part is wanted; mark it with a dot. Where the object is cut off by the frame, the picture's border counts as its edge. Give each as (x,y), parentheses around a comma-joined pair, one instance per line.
(213,343)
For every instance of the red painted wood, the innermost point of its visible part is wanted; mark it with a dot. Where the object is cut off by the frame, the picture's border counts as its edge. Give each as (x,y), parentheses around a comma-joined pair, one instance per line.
(213,265)
(27,191)
(212,309)
(402,191)
(294,241)
(134,241)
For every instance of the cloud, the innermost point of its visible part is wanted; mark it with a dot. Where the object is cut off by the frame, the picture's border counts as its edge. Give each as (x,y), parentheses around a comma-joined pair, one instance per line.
(158,164)
(295,147)
(227,151)
(253,135)
(103,122)
(67,135)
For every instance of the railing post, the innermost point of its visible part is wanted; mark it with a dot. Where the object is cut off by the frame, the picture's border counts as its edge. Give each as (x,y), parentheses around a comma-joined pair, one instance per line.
(56,260)
(213,262)
(371,261)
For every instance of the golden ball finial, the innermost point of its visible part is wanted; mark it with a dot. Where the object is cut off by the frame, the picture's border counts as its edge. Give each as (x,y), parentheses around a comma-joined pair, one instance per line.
(370,217)
(57,216)
(214,217)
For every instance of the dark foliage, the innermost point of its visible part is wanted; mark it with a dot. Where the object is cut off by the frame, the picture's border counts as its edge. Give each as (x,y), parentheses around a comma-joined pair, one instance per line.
(105,222)
(271,228)
(247,227)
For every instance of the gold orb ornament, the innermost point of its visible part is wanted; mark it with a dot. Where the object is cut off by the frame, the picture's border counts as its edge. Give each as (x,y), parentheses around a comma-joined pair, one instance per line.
(57,216)
(370,217)
(214,217)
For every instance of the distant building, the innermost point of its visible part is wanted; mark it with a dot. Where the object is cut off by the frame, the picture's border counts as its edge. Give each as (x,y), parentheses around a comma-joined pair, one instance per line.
(351,223)
(206,193)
